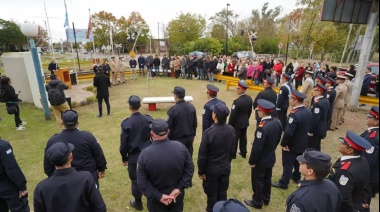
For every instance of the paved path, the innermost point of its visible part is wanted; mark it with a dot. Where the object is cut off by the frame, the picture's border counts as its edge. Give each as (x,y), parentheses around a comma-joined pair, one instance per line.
(78,93)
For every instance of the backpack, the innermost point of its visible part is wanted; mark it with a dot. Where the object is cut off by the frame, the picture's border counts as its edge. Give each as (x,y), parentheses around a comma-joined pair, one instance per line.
(55,96)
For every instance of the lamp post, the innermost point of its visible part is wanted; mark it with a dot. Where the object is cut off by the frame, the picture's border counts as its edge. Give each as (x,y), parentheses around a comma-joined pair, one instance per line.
(287,45)
(30,30)
(227,31)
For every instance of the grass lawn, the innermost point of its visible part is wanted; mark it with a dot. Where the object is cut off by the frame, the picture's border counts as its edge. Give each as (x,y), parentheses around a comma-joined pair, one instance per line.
(115,187)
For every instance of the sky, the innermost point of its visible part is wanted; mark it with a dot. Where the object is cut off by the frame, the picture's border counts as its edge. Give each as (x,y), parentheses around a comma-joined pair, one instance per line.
(153,11)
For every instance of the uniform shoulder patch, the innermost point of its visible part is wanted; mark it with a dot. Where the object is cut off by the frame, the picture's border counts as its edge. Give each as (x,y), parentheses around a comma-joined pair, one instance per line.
(327,96)
(373,134)
(9,151)
(291,120)
(294,208)
(316,110)
(345,165)
(204,111)
(343,180)
(280,92)
(262,123)
(233,107)
(259,134)
(371,150)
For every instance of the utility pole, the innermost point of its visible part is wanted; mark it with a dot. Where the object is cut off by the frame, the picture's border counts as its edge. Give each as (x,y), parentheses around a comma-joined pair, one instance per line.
(364,54)
(51,41)
(345,45)
(287,45)
(227,31)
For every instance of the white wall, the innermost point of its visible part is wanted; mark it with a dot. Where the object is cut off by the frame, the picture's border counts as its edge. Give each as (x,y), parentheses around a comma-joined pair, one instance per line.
(19,68)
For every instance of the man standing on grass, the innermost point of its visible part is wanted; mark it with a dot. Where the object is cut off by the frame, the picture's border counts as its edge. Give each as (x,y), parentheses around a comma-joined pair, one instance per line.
(215,155)
(207,120)
(102,83)
(135,136)
(263,156)
(341,91)
(282,104)
(268,94)
(307,87)
(114,70)
(241,111)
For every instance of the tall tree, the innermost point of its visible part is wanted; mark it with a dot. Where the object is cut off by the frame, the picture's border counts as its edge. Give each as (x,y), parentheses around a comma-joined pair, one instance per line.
(218,31)
(264,21)
(220,18)
(10,33)
(101,24)
(185,27)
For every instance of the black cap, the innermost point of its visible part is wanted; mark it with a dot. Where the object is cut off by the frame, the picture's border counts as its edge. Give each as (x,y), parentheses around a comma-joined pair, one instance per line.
(242,85)
(286,76)
(374,113)
(212,89)
(265,105)
(70,118)
(355,141)
(134,101)
(298,95)
(315,158)
(230,205)
(322,79)
(331,80)
(270,80)
(59,152)
(178,90)
(159,127)
(220,109)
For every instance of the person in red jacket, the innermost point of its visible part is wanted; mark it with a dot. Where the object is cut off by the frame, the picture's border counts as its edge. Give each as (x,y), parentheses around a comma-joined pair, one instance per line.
(278,68)
(231,67)
(298,76)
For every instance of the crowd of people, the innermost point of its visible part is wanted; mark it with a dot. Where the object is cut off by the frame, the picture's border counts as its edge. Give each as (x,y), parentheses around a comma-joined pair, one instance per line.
(159,153)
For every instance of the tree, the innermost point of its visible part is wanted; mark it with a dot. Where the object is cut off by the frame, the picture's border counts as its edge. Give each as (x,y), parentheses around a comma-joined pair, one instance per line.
(218,31)
(264,21)
(184,28)
(10,33)
(220,18)
(212,45)
(101,24)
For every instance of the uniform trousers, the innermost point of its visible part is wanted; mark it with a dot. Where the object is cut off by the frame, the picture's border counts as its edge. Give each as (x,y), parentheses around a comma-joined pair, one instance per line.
(114,78)
(122,77)
(9,198)
(155,205)
(132,168)
(241,139)
(261,179)
(335,118)
(314,142)
(281,115)
(100,105)
(216,184)
(188,142)
(58,110)
(289,163)
(341,120)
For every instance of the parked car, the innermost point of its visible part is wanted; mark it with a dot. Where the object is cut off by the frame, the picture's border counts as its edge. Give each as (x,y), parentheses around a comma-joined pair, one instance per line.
(375,71)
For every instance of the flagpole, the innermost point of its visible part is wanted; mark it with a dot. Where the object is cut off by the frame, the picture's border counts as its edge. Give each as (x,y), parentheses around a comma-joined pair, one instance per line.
(111,40)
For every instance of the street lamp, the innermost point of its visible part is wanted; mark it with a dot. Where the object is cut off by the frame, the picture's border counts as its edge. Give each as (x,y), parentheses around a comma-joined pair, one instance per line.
(287,44)
(30,30)
(227,30)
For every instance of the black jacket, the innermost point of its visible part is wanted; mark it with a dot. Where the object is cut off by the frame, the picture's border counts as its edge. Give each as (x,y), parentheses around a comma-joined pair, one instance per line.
(372,155)
(12,180)
(87,155)
(10,94)
(217,147)
(283,97)
(68,190)
(267,137)
(53,66)
(241,111)
(156,61)
(135,135)
(182,120)
(296,129)
(102,83)
(162,167)
(267,94)
(56,83)
(142,61)
(319,111)
(207,120)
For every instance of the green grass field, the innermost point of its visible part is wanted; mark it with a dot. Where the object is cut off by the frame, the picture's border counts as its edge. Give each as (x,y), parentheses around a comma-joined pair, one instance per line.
(115,187)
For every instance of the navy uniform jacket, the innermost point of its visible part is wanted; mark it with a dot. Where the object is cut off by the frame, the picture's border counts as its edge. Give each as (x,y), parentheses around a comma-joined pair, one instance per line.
(372,155)
(267,94)
(241,111)
(162,167)
(207,120)
(182,120)
(330,95)
(319,111)
(351,177)
(217,147)
(316,196)
(12,179)
(296,129)
(87,155)
(268,135)
(97,68)
(283,97)
(135,135)
(68,190)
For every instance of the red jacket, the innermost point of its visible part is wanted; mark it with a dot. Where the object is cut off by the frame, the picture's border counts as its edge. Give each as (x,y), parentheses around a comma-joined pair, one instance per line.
(278,68)
(231,67)
(299,73)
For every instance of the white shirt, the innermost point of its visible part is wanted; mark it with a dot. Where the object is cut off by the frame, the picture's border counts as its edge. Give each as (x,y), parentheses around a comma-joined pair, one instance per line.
(349,157)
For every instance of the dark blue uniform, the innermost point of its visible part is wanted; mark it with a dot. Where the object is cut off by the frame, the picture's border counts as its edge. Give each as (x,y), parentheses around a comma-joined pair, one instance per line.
(215,154)
(241,111)
(316,196)
(182,121)
(162,167)
(372,156)
(318,128)
(330,95)
(263,156)
(12,181)
(267,94)
(207,120)
(282,104)
(295,137)
(87,155)
(135,136)
(68,190)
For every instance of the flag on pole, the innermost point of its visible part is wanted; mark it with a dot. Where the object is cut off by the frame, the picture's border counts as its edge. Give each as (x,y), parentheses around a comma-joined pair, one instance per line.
(66,16)
(89,29)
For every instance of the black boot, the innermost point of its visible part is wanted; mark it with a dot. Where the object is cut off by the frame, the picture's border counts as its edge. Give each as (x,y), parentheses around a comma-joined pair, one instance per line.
(137,204)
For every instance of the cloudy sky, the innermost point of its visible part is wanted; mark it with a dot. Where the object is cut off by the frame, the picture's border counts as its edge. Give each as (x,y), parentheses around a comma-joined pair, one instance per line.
(153,11)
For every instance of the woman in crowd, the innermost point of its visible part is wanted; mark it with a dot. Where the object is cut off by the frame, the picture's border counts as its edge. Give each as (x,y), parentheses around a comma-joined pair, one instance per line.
(11,102)
(278,69)
(242,73)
